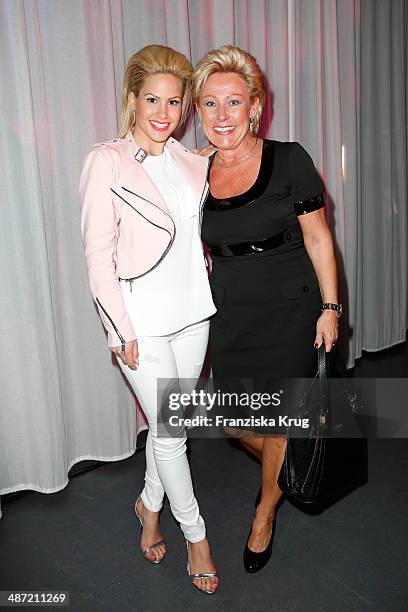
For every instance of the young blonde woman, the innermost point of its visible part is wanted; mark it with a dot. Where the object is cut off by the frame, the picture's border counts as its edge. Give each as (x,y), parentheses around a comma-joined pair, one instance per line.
(141,197)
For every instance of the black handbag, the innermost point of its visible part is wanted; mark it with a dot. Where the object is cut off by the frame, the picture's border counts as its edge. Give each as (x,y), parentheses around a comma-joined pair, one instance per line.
(319,469)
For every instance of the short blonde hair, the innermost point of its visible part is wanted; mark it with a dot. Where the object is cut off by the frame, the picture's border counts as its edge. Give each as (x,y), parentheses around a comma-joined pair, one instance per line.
(154,59)
(232,59)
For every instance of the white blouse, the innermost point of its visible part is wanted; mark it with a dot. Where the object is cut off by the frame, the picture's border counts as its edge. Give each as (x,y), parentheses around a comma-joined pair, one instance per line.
(176,293)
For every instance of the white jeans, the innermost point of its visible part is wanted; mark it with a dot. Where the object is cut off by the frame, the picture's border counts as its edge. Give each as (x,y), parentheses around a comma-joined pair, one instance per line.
(178,355)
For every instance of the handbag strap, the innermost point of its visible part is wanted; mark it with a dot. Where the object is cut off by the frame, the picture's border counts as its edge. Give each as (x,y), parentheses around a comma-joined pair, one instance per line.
(322,363)
(322,375)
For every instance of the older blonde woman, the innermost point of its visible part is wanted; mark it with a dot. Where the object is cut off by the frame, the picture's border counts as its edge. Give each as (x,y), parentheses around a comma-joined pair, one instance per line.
(141,199)
(273,265)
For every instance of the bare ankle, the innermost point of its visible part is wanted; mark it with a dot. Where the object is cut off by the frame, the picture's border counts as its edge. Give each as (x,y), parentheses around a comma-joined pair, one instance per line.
(203,541)
(265,512)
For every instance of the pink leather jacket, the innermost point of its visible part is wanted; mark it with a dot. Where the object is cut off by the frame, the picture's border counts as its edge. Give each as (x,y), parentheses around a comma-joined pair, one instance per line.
(126,226)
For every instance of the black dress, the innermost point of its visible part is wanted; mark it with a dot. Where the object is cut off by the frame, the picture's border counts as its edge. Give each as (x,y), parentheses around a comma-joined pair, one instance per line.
(268,301)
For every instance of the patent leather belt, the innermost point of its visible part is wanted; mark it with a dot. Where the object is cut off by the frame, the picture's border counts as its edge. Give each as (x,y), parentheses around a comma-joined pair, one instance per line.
(250,248)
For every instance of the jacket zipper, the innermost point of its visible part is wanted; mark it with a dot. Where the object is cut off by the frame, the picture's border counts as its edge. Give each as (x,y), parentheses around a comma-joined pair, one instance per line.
(168,247)
(203,198)
(172,237)
(122,340)
(202,202)
(203,194)
(139,213)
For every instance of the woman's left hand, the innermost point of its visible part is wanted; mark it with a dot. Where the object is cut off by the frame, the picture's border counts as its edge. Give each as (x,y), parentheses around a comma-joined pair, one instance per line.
(327,330)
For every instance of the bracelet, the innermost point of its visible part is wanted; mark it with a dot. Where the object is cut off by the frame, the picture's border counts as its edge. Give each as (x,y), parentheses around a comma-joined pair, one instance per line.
(337,307)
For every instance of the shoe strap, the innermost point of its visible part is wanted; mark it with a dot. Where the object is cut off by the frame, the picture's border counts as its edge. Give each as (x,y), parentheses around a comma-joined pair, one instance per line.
(149,548)
(204,575)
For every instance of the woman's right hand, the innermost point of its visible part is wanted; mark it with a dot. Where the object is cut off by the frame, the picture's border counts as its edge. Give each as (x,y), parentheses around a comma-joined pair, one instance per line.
(131,355)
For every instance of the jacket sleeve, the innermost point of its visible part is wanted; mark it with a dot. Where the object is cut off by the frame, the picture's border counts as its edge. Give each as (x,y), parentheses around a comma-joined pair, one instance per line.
(99,234)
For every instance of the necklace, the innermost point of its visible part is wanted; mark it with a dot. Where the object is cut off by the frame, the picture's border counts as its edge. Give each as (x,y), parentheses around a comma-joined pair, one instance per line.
(241,159)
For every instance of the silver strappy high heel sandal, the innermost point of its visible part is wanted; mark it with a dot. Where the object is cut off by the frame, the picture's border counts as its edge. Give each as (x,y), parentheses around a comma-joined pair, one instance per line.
(148,548)
(200,575)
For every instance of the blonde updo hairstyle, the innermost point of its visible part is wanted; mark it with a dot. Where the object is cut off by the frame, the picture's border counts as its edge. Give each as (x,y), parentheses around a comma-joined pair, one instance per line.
(154,59)
(232,59)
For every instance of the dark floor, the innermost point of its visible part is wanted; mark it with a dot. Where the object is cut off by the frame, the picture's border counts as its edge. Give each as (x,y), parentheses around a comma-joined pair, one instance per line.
(84,539)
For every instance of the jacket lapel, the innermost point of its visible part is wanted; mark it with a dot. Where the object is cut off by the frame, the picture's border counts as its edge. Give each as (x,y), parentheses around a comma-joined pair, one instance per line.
(139,181)
(194,167)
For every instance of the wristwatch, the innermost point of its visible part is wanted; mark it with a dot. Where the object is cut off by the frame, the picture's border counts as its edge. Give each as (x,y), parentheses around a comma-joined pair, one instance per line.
(337,307)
